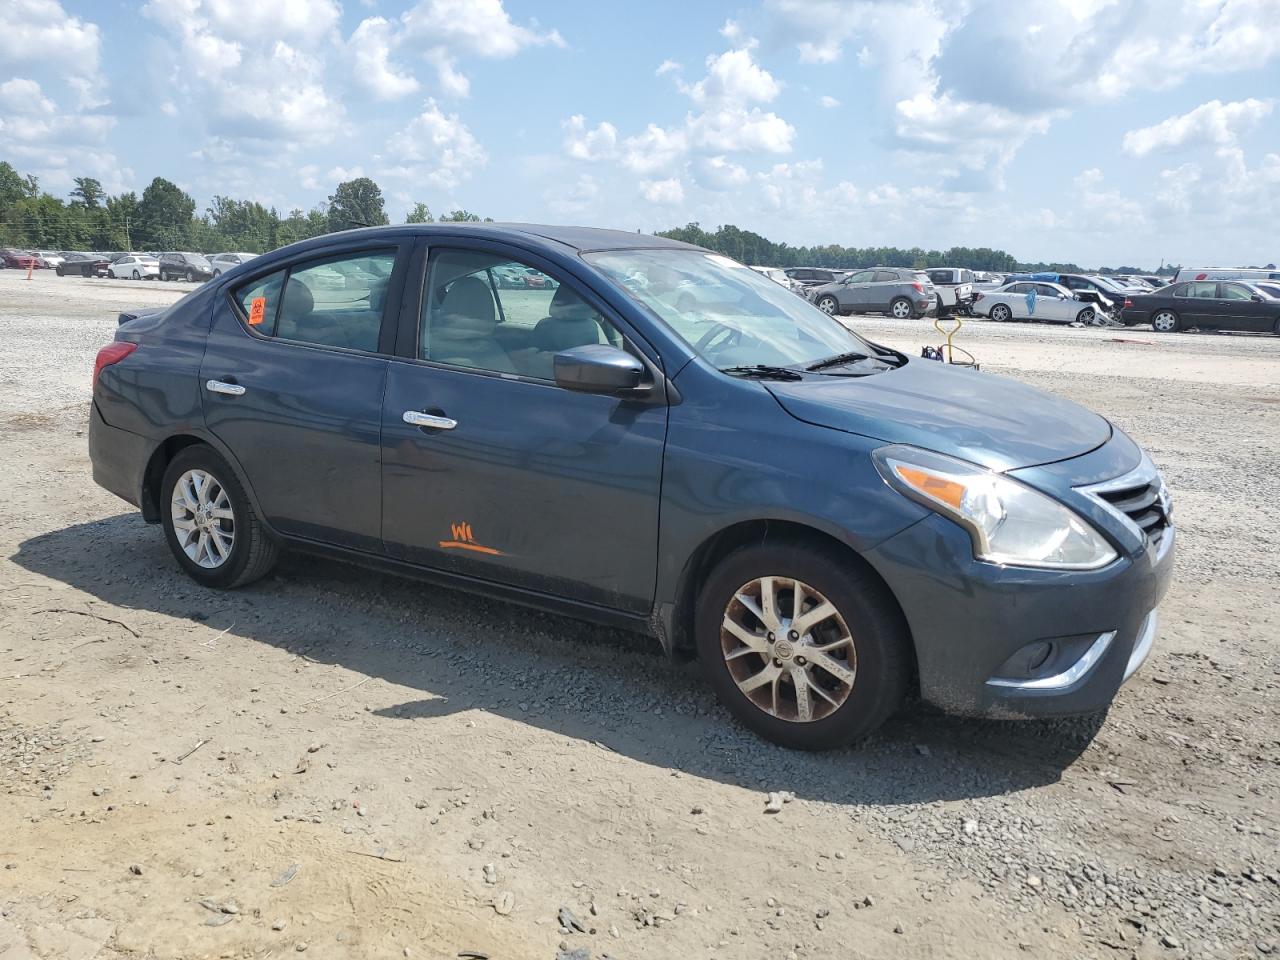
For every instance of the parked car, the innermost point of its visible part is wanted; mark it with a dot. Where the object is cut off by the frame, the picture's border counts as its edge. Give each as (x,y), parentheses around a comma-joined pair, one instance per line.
(777,275)
(838,521)
(82,265)
(1034,300)
(808,277)
(1227,273)
(185,266)
(954,286)
(135,266)
(221,262)
(50,258)
(1206,305)
(18,259)
(1271,289)
(899,291)
(1101,291)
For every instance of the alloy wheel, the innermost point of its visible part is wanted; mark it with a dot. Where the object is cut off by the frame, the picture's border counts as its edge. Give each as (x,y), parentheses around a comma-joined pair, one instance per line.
(203,520)
(788,649)
(901,309)
(1000,313)
(828,306)
(1164,321)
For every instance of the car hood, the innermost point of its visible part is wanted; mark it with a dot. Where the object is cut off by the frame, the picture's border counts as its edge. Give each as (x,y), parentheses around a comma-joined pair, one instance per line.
(985,419)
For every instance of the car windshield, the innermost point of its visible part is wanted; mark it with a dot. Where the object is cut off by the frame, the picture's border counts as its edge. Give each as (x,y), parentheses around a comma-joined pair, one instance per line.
(197,259)
(728,313)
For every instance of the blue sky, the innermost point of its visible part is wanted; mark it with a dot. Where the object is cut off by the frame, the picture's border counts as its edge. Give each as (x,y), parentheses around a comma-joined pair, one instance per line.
(1099,131)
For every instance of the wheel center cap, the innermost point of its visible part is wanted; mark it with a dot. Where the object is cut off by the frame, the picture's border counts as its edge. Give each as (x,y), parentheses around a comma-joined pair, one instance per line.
(783,650)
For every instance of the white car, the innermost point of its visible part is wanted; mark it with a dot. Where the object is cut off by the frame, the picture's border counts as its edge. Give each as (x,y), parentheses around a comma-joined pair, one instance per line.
(777,275)
(134,267)
(222,262)
(1033,300)
(51,257)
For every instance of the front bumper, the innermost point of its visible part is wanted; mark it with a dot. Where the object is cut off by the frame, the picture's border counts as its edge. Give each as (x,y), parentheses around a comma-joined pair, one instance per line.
(968,617)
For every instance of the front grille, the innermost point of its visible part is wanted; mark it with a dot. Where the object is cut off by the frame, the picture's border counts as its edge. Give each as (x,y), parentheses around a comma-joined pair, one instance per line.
(1144,500)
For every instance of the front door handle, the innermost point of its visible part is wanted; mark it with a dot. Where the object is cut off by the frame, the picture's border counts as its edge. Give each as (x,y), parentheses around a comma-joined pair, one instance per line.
(431,420)
(230,389)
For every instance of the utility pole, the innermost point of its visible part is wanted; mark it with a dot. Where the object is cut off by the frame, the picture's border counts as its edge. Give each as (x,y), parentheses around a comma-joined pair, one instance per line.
(127,241)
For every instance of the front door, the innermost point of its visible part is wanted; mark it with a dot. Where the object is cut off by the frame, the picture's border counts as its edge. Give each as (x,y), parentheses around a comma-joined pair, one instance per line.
(856,294)
(292,381)
(1242,311)
(502,475)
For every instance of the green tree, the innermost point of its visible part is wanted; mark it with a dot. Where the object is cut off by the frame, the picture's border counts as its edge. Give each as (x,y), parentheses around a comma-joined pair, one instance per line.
(164,217)
(243,224)
(356,203)
(420,213)
(462,216)
(88,193)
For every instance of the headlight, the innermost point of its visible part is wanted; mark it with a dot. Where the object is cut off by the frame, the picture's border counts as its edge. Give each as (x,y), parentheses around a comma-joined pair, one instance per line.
(1008,521)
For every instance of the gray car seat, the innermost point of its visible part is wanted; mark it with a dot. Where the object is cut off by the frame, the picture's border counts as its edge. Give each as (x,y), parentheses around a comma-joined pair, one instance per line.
(462,328)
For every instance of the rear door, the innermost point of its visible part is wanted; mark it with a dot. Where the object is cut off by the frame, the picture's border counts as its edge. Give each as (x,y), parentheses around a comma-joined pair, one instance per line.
(883,289)
(517,480)
(293,378)
(1198,304)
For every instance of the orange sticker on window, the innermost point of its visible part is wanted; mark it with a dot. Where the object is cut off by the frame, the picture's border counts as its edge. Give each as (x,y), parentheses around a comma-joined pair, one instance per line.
(257,310)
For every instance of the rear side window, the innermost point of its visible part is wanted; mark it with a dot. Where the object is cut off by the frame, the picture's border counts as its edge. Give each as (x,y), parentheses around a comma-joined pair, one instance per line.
(260,302)
(1202,290)
(886,276)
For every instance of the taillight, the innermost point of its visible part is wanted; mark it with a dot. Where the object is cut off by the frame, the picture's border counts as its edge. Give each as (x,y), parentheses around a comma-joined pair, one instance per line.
(1128,303)
(919,287)
(111,353)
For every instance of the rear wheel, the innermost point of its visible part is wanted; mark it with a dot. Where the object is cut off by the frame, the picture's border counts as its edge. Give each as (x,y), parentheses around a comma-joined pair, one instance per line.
(802,646)
(1165,321)
(1000,313)
(902,309)
(829,305)
(209,523)
(137,275)
(59,271)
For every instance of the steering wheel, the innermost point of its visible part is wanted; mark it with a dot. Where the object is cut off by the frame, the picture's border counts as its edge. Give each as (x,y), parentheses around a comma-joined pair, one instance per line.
(704,342)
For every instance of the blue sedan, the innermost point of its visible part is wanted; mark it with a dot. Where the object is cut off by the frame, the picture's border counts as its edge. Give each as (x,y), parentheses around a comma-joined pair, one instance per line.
(645,434)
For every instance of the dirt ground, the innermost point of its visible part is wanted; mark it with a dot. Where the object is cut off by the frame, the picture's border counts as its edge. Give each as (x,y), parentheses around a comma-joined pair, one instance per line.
(342,763)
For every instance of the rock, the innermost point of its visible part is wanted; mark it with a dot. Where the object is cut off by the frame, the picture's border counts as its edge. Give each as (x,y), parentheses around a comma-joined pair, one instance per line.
(923,751)
(231,907)
(577,953)
(490,873)
(593,909)
(315,748)
(1170,941)
(504,904)
(301,945)
(970,828)
(569,921)
(696,811)
(98,791)
(898,929)
(773,804)
(278,925)
(1033,882)
(135,869)
(613,931)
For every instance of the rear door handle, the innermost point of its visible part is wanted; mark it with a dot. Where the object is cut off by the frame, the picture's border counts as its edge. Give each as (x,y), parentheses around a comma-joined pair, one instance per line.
(420,419)
(230,389)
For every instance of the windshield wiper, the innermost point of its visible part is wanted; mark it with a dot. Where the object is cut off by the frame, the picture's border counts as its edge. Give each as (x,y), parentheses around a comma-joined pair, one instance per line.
(763,371)
(839,360)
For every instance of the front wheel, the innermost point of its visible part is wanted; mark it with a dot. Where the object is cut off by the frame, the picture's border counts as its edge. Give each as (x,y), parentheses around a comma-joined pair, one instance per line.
(191,276)
(209,523)
(901,309)
(829,305)
(1000,313)
(1085,316)
(1165,321)
(801,645)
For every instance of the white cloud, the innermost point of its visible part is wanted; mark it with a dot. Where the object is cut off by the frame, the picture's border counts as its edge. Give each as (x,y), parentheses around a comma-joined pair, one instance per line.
(655,149)
(1214,122)
(667,66)
(734,77)
(22,96)
(721,173)
(583,144)
(669,191)
(250,20)
(437,148)
(340,173)
(579,198)
(370,46)
(42,33)
(735,129)
(828,102)
(446,30)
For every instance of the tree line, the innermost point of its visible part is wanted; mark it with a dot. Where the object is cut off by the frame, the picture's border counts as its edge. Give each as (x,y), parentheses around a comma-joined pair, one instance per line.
(165,218)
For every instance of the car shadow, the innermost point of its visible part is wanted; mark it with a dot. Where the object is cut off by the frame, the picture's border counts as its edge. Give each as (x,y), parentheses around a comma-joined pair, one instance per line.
(609,687)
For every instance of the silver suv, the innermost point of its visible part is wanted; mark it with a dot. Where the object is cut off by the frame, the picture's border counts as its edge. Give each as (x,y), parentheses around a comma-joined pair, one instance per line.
(901,292)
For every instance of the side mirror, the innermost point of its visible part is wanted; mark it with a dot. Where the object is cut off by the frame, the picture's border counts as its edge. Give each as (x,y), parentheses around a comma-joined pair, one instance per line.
(597,368)
(1062,296)
(1258,298)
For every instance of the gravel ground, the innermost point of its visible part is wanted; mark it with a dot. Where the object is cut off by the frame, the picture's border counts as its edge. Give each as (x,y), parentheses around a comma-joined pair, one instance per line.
(446,774)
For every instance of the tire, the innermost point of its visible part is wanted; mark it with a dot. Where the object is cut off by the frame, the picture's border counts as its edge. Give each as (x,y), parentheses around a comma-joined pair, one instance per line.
(1085,316)
(59,271)
(829,305)
(164,274)
(1165,321)
(1000,313)
(137,275)
(878,646)
(901,309)
(191,276)
(252,552)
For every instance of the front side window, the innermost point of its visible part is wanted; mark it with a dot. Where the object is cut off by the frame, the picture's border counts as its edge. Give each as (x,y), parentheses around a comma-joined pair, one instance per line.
(1235,291)
(488,312)
(863,276)
(727,313)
